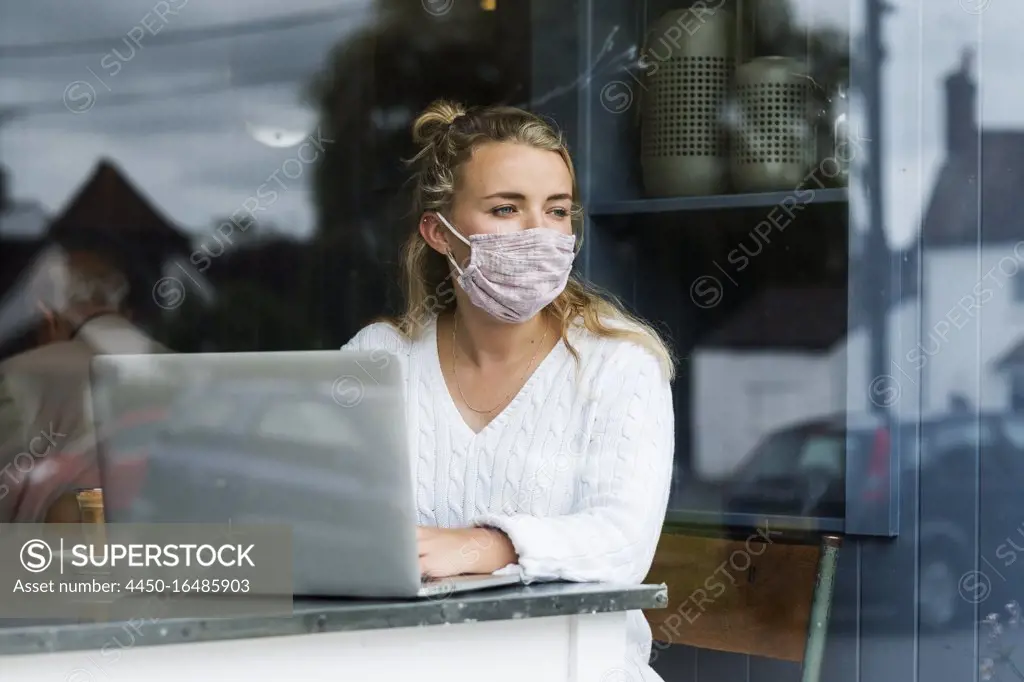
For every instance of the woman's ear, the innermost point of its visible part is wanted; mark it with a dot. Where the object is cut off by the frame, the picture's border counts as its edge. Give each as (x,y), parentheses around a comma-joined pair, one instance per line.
(434,232)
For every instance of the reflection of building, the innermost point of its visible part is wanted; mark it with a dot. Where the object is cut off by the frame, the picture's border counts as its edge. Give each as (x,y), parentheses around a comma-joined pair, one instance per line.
(972,330)
(107,213)
(766,366)
(956,337)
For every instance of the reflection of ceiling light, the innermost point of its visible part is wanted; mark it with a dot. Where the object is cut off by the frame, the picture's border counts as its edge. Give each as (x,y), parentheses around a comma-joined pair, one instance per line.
(488,5)
(275,137)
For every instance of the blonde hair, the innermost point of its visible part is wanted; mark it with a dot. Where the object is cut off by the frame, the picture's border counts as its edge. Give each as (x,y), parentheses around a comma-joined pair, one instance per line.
(447,133)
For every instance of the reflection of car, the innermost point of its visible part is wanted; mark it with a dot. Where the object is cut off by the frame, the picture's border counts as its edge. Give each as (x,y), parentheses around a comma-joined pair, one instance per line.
(960,454)
(801,469)
(122,443)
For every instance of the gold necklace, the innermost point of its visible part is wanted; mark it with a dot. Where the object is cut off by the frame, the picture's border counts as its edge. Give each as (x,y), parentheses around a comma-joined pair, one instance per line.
(522,379)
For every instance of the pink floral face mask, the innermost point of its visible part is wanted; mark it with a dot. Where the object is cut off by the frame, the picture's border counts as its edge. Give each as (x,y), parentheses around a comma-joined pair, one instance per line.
(514,275)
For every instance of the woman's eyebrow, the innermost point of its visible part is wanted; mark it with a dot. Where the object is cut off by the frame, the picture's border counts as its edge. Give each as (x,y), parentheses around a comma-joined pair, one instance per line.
(516,196)
(511,196)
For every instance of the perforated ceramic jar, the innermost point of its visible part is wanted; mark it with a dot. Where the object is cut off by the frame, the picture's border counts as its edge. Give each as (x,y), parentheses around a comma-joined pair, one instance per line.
(773,145)
(689,66)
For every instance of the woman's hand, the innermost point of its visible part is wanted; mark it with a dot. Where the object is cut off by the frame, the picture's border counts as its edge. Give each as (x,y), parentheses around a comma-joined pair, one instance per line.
(453,551)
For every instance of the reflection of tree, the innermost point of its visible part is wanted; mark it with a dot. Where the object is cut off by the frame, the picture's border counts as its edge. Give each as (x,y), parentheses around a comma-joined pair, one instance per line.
(260,319)
(775,31)
(256,306)
(371,89)
(247,316)
(317,294)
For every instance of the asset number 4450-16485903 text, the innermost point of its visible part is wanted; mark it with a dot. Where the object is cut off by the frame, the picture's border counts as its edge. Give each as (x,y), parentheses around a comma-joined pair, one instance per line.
(186,586)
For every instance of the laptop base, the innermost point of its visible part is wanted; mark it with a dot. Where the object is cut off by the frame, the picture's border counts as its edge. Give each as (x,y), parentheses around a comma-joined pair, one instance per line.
(441,587)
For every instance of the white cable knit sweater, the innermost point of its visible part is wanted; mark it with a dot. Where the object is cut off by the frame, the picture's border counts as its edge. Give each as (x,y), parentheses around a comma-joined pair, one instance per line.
(576,471)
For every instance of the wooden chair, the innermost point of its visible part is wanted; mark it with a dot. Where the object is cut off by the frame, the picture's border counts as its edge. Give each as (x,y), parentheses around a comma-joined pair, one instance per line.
(760,591)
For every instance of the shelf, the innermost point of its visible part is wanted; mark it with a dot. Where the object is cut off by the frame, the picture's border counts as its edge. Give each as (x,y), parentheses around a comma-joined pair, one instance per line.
(718,201)
(717,521)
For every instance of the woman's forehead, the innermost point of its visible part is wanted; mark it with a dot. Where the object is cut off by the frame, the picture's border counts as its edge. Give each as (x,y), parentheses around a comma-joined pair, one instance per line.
(516,168)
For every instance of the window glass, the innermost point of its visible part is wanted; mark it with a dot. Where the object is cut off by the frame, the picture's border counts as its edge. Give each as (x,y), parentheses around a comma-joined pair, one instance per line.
(815,203)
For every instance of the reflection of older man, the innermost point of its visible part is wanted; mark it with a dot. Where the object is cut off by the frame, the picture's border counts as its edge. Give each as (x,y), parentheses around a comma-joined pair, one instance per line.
(47,443)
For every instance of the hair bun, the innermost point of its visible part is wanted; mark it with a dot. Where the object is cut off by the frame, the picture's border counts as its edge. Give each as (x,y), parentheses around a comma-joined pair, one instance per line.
(435,120)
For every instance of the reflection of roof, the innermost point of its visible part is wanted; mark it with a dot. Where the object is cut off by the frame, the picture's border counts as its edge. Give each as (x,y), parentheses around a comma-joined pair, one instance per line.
(109,203)
(108,215)
(953,216)
(1013,358)
(786,319)
(815,319)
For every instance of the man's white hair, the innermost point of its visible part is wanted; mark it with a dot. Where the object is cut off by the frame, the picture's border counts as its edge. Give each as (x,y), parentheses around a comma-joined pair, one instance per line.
(63,281)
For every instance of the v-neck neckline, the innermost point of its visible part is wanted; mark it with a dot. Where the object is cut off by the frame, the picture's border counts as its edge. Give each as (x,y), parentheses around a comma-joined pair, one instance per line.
(452,409)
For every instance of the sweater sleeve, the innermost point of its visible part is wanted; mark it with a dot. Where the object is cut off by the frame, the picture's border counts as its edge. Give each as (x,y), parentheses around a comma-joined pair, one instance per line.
(378,336)
(622,487)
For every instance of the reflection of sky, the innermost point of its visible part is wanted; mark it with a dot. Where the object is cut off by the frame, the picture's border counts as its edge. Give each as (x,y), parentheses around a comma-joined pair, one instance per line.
(194,155)
(924,40)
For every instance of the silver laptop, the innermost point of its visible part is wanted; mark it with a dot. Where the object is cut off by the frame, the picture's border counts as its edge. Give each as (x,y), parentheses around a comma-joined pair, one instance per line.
(313,439)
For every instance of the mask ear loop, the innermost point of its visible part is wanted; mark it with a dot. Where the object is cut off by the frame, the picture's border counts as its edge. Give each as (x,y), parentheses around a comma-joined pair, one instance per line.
(451,258)
(582,222)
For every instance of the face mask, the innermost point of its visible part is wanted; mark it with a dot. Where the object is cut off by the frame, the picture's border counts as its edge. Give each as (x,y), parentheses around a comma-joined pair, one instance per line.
(514,275)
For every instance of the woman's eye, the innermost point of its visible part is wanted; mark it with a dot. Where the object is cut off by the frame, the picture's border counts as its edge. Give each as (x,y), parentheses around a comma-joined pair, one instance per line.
(561,212)
(503,210)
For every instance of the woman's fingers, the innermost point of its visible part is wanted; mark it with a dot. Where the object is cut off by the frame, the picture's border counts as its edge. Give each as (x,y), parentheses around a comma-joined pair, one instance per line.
(440,552)
(429,568)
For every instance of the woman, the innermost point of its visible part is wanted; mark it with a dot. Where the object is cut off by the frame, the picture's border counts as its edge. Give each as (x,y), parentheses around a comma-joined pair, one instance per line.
(540,412)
